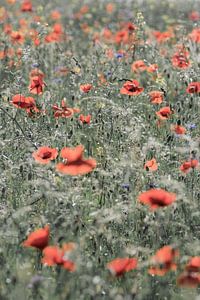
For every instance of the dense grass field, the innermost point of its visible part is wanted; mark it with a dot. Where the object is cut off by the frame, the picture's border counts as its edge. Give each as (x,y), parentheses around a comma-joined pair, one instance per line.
(100,149)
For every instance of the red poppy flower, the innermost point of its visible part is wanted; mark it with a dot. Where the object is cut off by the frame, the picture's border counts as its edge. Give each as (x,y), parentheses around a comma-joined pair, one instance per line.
(163,261)
(36,85)
(188,165)
(164,113)
(131,88)
(17,37)
(20,101)
(162,37)
(85,119)
(26,6)
(152,68)
(193,265)
(181,60)
(189,279)
(36,72)
(156,97)
(195,35)
(138,66)
(64,111)
(53,255)
(45,154)
(151,165)
(85,88)
(156,198)
(193,88)
(194,16)
(119,266)
(38,239)
(122,37)
(75,163)
(178,129)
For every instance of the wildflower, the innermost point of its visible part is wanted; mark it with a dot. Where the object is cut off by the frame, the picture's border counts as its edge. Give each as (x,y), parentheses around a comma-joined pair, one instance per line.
(194,16)
(151,165)
(122,37)
(178,129)
(188,165)
(75,163)
(164,113)
(193,88)
(17,37)
(38,239)
(53,255)
(181,59)
(163,261)
(26,6)
(162,37)
(45,154)
(85,119)
(119,266)
(156,198)
(152,68)
(85,88)
(189,279)
(138,66)
(193,265)
(156,97)
(191,126)
(36,85)
(131,88)
(27,103)
(195,35)
(64,111)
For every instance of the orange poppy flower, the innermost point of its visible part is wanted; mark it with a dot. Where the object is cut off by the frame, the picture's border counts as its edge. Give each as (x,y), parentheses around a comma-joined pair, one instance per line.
(178,129)
(119,266)
(45,154)
(193,88)
(75,163)
(17,37)
(55,15)
(164,113)
(85,119)
(26,6)
(194,16)
(152,68)
(7,28)
(189,279)
(181,60)
(36,85)
(156,198)
(193,265)
(131,88)
(38,239)
(156,97)
(20,101)
(163,261)
(138,66)
(188,165)
(195,35)
(64,111)
(162,37)
(151,165)
(85,88)
(53,255)
(36,72)
(110,7)
(122,37)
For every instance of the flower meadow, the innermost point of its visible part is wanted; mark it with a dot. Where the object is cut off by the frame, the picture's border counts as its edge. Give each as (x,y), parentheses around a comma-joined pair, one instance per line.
(100,150)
